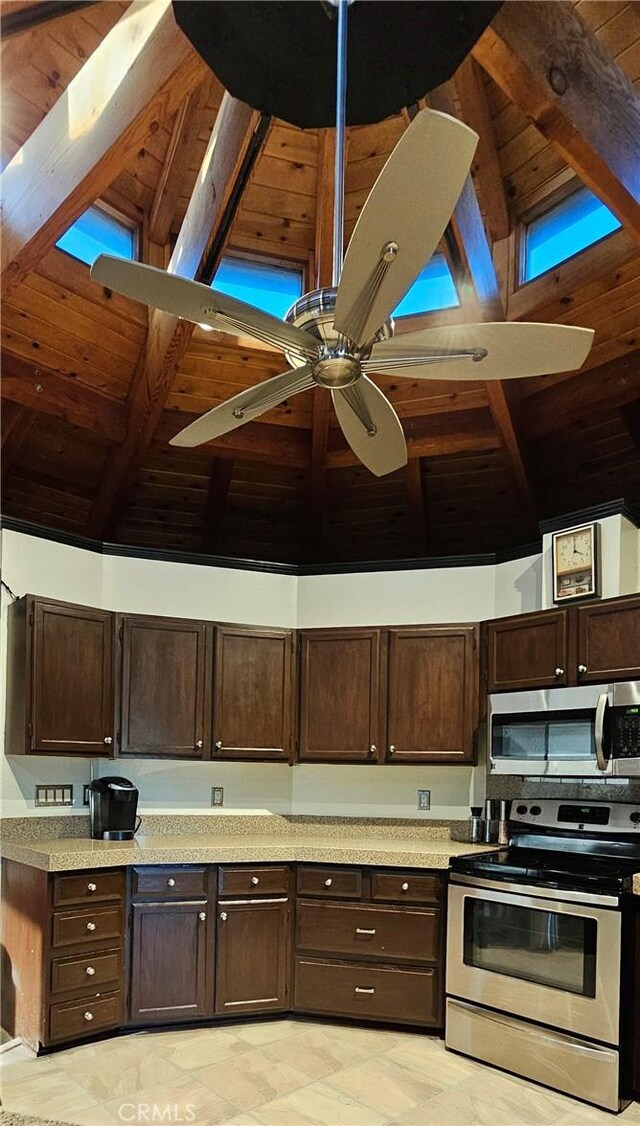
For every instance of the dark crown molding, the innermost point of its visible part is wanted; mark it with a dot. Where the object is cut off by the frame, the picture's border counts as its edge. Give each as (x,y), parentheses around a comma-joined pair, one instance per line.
(619,507)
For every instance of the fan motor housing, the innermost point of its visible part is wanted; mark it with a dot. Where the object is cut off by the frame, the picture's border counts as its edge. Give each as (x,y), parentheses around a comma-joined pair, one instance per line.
(314,312)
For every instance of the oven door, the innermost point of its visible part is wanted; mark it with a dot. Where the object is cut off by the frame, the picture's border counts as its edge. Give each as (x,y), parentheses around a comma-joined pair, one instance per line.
(539,958)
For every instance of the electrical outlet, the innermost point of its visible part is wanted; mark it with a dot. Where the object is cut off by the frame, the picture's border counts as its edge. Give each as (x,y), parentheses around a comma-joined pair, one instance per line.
(217,795)
(85,794)
(424,799)
(54,795)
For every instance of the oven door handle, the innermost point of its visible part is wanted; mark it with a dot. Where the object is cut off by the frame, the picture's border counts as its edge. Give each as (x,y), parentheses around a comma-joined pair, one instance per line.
(601,708)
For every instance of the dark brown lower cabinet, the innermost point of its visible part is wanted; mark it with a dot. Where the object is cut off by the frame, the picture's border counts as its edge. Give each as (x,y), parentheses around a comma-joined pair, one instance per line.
(370,992)
(253,955)
(169,962)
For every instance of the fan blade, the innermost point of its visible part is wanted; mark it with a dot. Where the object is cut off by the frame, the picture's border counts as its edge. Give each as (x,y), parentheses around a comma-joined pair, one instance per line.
(199,303)
(244,407)
(514,350)
(408,207)
(371,426)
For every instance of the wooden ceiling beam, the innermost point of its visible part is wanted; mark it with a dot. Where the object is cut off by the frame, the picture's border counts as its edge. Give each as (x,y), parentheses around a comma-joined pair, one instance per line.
(416,505)
(548,61)
(436,436)
(40,389)
(168,337)
(255,441)
(182,145)
(136,78)
(486,171)
(221,473)
(630,415)
(16,426)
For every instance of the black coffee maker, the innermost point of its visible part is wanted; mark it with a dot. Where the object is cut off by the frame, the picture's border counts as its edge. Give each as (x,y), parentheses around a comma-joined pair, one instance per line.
(112,809)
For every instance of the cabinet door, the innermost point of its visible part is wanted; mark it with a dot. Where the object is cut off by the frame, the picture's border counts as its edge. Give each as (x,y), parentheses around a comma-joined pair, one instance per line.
(163,687)
(72,680)
(528,651)
(252,964)
(169,943)
(253,694)
(432,693)
(609,640)
(339,695)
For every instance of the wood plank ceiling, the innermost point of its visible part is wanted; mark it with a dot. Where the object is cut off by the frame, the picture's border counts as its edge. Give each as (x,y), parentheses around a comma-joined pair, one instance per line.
(486,462)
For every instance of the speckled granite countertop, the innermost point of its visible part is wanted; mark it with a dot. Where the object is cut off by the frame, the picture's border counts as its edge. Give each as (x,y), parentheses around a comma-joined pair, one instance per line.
(73,853)
(636,884)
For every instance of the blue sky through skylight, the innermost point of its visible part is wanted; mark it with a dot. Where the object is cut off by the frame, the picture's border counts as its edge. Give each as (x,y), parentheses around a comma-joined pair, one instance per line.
(433,289)
(564,230)
(96,233)
(270,288)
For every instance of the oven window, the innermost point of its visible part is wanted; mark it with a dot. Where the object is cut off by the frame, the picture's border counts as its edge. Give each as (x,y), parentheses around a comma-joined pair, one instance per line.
(543,946)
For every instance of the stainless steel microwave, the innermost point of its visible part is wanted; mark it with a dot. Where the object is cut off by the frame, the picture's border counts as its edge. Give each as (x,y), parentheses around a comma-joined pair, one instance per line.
(589,731)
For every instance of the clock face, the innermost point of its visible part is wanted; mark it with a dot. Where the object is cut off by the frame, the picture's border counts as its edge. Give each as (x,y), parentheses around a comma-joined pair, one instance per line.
(574,551)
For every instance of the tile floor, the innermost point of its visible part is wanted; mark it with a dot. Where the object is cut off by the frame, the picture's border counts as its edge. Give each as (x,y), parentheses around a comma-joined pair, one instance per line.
(279,1073)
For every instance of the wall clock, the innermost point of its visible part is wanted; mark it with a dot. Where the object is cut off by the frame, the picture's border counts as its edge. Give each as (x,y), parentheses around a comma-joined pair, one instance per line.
(576,571)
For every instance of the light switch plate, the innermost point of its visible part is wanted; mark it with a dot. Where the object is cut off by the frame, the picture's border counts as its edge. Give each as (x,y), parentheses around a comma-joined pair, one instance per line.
(217,795)
(54,795)
(424,799)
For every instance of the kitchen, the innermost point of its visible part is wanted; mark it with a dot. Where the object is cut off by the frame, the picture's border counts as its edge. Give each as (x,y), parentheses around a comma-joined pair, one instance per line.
(320,606)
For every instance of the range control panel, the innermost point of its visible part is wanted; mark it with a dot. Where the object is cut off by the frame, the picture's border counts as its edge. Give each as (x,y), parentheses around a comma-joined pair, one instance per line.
(605,817)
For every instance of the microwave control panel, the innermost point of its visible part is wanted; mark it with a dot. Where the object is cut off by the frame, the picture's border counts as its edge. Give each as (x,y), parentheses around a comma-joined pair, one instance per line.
(626,732)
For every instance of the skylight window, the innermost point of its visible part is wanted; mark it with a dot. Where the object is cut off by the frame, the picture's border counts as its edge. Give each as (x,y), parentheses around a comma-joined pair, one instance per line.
(270,288)
(98,232)
(433,289)
(564,230)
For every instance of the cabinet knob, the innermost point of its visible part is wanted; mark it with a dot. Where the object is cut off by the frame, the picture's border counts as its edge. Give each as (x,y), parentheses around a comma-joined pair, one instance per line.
(219,745)
(171,882)
(405,887)
(107,739)
(255,880)
(328,882)
(559,672)
(223,916)
(92,887)
(88,1015)
(392,749)
(199,742)
(372,749)
(90,971)
(91,926)
(202,916)
(582,668)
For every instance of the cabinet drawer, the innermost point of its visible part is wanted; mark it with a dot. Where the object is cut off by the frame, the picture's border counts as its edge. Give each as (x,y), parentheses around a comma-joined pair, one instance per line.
(84,926)
(89,971)
(407,887)
(169,882)
(84,1018)
(87,887)
(335,883)
(368,992)
(391,933)
(253,881)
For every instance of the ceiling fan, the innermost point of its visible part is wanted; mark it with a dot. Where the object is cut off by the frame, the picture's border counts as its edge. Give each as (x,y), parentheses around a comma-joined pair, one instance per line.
(336,337)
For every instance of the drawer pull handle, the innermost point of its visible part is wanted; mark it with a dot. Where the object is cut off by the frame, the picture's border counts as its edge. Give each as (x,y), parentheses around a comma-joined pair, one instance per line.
(255,880)
(88,1015)
(363,930)
(171,882)
(92,887)
(359,990)
(405,886)
(90,971)
(91,926)
(328,882)
(202,916)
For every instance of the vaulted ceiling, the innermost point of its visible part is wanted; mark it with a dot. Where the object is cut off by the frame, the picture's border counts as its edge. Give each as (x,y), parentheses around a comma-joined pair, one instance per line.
(109,101)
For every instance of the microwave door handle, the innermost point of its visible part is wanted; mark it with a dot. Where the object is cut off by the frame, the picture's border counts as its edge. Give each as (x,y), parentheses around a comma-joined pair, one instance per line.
(601,708)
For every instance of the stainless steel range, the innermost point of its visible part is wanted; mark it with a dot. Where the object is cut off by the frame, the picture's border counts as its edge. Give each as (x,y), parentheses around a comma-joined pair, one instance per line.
(537,938)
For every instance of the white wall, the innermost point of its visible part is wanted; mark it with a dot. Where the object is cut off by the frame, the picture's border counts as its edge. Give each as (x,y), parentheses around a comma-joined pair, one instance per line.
(456,594)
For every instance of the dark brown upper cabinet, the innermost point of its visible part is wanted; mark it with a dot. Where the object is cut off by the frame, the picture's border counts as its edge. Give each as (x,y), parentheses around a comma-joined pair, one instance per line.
(432,694)
(163,697)
(253,695)
(591,643)
(528,651)
(340,695)
(608,640)
(60,697)
(253,955)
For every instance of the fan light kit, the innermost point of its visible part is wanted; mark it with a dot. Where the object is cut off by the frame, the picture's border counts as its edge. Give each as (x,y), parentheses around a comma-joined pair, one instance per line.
(336,337)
